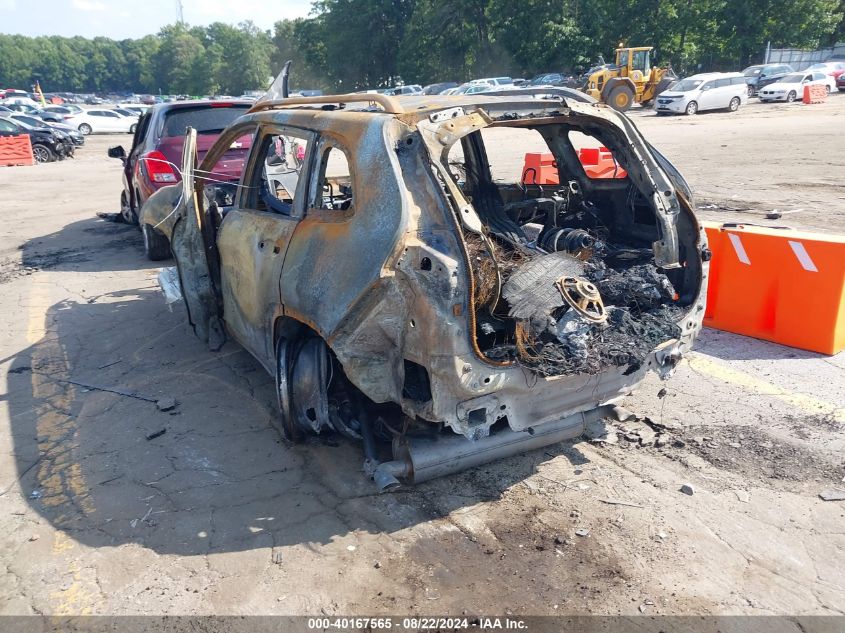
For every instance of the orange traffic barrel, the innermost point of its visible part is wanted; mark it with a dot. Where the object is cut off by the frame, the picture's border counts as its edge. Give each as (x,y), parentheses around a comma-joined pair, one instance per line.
(779,285)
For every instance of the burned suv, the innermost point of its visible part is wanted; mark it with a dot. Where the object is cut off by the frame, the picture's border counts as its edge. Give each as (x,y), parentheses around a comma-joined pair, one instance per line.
(384,259)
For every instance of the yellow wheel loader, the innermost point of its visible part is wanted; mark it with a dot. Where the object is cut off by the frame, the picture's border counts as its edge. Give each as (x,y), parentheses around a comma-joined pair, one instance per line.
(632,79)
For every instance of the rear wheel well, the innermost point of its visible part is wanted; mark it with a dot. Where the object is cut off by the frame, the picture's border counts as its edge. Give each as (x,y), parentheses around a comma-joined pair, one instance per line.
(288,327)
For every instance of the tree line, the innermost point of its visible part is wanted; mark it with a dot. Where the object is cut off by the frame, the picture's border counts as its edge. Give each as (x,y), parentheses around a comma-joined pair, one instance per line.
(347,45)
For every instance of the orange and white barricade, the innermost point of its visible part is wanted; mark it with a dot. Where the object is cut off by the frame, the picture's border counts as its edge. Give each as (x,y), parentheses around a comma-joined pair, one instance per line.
(779,285)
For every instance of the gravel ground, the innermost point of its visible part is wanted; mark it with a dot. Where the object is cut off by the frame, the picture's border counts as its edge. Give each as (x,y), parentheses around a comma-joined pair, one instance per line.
(101,513)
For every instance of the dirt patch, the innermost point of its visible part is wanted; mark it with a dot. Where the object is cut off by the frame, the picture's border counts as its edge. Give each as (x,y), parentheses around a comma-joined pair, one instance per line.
(30,263)
(751,452)
(557,568)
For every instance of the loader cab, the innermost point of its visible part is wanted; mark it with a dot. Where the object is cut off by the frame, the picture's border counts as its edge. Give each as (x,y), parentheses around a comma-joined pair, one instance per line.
(634,63)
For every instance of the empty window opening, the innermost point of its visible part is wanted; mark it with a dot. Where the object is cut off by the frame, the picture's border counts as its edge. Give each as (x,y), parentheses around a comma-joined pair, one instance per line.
(334,182)
(284,157)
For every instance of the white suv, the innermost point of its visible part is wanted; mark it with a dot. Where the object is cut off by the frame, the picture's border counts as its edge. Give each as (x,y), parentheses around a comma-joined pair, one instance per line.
(707,91)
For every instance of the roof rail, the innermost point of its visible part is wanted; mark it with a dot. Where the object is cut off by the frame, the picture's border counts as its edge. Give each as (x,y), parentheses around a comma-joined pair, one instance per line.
(388,104)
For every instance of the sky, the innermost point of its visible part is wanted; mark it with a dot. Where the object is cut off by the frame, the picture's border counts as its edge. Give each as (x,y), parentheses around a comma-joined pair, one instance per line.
(122,19)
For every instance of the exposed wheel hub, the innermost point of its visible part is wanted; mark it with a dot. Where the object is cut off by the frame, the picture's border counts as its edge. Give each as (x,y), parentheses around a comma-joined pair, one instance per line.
(583,297)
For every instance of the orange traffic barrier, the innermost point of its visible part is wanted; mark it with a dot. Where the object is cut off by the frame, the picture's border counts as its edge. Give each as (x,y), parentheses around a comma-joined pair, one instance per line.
(814,94)
(779,285)
(539,169)
(598,162)
(15,150)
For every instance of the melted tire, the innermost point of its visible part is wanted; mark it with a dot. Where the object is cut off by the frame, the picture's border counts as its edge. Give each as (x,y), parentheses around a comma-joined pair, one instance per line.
(156,245)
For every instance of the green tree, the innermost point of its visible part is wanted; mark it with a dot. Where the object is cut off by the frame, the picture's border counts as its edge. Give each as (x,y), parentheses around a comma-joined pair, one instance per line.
(444,42)
(747,27)
(301,42)
(362,39)
(347,45)
(176,59)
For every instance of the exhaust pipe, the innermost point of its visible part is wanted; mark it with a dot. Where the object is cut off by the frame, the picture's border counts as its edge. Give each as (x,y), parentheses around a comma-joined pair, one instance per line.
(385,475)
(418,460)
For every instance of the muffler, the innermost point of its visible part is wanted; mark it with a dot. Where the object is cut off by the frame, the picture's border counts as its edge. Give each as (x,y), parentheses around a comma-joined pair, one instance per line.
(418,460)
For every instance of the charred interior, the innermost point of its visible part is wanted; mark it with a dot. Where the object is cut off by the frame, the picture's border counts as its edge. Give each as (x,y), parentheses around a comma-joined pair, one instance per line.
(565,279)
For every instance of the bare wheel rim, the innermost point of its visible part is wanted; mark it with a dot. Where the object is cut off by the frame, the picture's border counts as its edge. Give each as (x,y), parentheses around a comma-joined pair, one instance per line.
(692,107)
(85,129)
(126,211)
(791,96)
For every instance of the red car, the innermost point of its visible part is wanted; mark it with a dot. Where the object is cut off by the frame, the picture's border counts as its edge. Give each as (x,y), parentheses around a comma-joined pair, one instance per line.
(836,69)
(156,153)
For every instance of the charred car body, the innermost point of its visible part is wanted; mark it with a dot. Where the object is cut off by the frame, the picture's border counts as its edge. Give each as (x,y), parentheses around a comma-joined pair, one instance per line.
(402,295)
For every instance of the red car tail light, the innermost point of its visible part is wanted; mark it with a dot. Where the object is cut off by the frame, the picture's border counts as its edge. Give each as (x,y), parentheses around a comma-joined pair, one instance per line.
(158,168)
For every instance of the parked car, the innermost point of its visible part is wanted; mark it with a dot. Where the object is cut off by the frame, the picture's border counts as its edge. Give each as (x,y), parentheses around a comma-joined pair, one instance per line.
(21,100)
(394,303)
(152,161)
(761,75)
(833,68)
(438,88)
(75,135)
(493,81)
(12,93)
(473,88)
(64,110)
(413,89)
(791,87)
(706,91)
(550,79)
(134,108)
(840,82)
(127,113)
(101,121)
(43,114)
(47,144)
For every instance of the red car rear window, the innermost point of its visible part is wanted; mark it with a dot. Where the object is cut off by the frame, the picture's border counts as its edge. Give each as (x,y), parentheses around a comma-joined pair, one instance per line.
(205,119)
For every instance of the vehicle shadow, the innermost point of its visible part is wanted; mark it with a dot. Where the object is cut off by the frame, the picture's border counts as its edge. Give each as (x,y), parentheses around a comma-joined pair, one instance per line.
(98,459)
(90,245)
